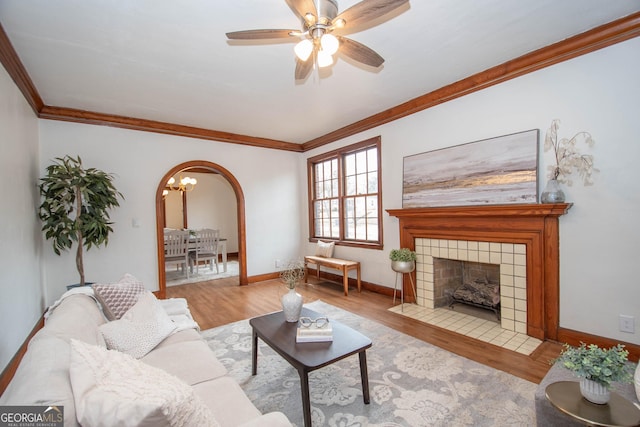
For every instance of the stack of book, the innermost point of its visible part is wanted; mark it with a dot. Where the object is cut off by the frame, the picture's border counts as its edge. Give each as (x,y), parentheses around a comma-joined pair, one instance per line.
(314,333)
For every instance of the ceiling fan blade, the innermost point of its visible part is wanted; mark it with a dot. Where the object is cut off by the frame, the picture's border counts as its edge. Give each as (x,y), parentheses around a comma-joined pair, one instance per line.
(303,68)
(368,10)
(359,52)
(260,34)
(302,7)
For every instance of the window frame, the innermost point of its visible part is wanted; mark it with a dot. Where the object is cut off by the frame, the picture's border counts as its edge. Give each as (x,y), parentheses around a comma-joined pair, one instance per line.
(339,154)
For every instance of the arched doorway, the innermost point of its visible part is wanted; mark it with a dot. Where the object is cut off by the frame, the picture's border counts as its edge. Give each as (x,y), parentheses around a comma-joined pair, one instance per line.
(160,219)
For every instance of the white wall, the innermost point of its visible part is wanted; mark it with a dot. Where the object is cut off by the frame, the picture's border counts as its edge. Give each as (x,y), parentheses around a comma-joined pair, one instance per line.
(599,93)
(139,160)
(21,291)
(213,204)
(174,217)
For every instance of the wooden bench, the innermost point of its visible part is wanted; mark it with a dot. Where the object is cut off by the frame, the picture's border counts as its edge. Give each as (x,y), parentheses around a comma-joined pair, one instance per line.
(335,263)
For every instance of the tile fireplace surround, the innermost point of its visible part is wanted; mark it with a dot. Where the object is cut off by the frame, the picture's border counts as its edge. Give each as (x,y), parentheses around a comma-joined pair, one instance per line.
(525,236)
(513,275)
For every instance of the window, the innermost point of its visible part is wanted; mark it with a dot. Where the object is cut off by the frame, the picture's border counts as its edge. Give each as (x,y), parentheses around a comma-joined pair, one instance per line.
(345,201)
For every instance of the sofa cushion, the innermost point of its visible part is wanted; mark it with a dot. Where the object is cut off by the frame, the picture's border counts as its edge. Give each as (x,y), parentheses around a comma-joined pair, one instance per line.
(191,361)
(117,298)
(226,400)
(180,336)
(140,329)
(112,388)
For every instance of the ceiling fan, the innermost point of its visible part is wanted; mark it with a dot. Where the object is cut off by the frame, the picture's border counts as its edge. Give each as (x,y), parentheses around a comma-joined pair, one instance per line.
(320,19)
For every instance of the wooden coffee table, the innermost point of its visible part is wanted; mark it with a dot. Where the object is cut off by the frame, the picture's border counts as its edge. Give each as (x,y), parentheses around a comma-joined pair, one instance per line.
(280,335)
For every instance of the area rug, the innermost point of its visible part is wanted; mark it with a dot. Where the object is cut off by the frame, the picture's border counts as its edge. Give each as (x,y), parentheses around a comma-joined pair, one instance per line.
(411,383)
(176,277)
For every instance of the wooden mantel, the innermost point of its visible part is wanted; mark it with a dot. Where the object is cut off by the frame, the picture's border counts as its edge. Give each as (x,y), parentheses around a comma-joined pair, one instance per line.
(534,225)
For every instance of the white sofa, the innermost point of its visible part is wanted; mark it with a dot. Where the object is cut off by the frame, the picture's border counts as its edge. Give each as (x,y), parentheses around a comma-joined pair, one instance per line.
(44,378)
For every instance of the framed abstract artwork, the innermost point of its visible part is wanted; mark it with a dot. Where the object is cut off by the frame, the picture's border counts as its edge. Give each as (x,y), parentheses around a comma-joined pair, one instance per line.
(500,170)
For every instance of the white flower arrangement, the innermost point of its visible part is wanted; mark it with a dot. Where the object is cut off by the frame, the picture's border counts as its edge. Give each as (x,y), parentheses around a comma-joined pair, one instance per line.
(567,156)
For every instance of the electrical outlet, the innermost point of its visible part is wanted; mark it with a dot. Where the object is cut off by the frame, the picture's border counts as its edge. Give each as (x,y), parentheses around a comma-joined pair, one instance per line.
(627,323)
(278,263)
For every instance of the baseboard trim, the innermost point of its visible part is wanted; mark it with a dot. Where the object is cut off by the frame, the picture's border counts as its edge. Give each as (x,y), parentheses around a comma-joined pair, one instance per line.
(332,277)
(572,337)
(263,277)
(10,370)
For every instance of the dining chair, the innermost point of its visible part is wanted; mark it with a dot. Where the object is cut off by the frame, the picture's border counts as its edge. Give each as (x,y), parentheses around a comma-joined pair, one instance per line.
(176,249)
(206,249)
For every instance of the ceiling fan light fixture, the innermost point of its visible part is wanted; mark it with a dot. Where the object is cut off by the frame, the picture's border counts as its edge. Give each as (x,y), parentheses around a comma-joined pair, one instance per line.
(303,49)
(324,59)
(310,18)
(329,43)
(319,18)
(339,23)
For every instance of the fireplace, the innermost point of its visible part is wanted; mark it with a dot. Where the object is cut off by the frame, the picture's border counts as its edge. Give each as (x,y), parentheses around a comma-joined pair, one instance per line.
(501,265)
(522,239)
(466,282)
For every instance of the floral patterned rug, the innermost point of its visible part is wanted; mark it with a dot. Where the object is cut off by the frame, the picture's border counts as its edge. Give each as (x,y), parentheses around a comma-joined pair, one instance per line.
(411,383)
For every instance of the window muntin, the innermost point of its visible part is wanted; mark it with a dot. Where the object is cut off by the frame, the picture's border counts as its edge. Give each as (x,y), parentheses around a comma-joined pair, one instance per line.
(345,201)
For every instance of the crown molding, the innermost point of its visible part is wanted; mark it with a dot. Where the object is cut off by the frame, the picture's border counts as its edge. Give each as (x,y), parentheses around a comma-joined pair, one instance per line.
(606,35)
(9,58)
(91,117)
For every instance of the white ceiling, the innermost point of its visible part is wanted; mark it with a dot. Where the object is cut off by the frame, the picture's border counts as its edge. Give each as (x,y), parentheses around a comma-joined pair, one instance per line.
(170,61)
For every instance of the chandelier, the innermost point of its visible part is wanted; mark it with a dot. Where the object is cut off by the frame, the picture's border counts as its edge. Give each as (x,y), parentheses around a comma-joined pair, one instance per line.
(184,184)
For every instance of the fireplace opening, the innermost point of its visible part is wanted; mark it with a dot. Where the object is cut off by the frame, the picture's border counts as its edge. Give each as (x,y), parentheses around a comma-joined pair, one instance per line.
(464,282)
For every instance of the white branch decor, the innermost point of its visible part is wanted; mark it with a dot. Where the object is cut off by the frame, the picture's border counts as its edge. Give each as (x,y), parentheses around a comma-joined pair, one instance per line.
(567,156)
(292,274)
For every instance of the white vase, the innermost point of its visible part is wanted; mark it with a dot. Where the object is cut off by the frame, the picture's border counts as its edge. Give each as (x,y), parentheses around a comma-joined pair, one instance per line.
(292,305)
(552,193)
(594,392)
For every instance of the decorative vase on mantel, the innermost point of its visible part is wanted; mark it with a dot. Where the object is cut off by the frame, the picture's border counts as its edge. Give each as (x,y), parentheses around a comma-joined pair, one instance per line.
(552,193)
(292,305)
(594,392)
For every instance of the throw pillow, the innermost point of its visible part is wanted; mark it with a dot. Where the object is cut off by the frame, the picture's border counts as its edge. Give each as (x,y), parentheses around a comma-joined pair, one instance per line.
(117,298)
(140,329)
(111,388)
(325,249)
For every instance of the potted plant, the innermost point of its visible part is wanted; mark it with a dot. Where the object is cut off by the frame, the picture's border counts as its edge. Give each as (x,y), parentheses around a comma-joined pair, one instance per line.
(75,207)
(292,301)
(403,260)
(597,367)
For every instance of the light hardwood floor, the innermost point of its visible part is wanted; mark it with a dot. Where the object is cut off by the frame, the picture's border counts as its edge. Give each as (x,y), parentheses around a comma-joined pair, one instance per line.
(222,301)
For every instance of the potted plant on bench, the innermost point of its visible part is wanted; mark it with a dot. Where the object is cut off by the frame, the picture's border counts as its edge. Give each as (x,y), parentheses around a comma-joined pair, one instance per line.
(75,207)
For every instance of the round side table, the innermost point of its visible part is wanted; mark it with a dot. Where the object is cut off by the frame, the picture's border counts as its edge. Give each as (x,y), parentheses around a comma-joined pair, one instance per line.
(619,412)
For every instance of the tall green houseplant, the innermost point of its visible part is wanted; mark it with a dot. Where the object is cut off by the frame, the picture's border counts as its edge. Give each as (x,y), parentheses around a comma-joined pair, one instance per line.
(75,207)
